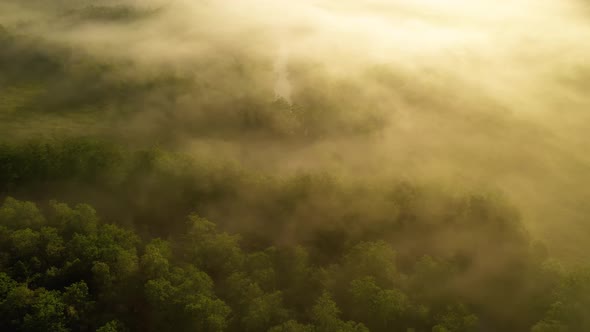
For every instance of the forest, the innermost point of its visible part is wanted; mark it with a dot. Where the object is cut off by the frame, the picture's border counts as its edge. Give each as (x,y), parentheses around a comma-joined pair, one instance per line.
(209,166)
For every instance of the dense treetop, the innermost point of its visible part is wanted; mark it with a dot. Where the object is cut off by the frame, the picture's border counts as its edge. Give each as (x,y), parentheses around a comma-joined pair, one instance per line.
(398,257)
(213,166)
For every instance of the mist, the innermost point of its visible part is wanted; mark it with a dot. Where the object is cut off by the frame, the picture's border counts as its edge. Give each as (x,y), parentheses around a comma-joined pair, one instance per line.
(462,96)
(482,92)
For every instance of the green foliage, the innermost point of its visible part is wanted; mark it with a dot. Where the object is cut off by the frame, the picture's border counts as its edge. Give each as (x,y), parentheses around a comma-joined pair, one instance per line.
(381,308)
(185,298)
(216,253)
(325,315)
(15,213)
(292,326)
(112,326)
(372,259)
(264,312)
(569,311)
(63,268)
(155,260)
(260,250)
(456,318)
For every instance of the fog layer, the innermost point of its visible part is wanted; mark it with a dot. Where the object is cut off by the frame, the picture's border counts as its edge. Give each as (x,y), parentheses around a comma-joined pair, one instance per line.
(470,94)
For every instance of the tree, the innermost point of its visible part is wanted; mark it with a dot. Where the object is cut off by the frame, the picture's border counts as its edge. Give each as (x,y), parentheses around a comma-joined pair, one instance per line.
(216,253)
(292,326)
(18,214)
(380,309)
(264,312)
(80,220)
(23,309)
(569,311)
(47,312)
(185,298)
(112,326)
(79,306)
(325,315)
(456,317)
(154,261)
(25,243)
(371,259)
